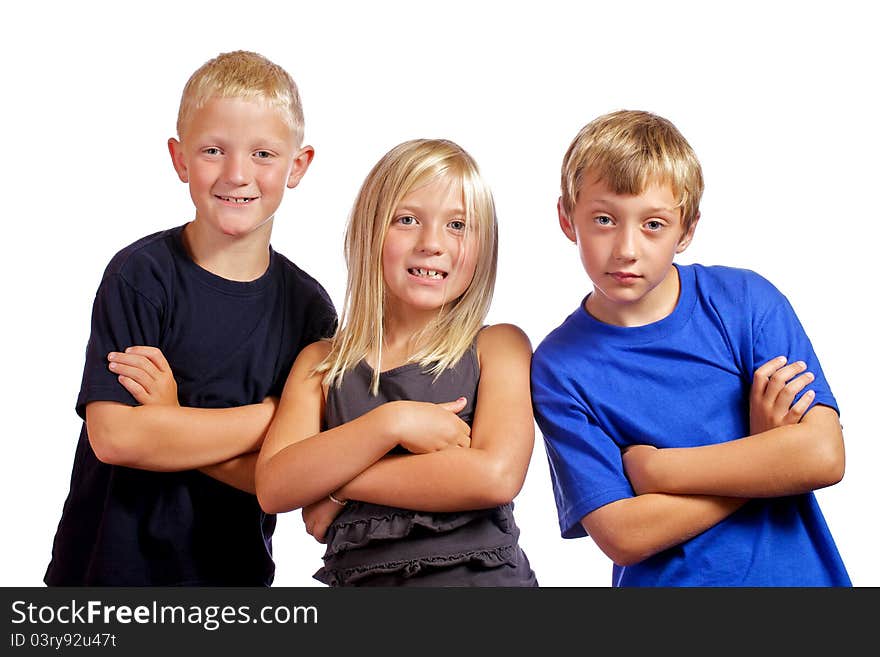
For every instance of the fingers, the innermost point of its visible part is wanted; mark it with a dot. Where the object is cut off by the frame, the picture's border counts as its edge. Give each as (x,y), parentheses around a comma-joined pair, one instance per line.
(134,367)
(796,412)
(136,389)
(455,406)
(762,374)
(153,354)
(791,389)
(780,378)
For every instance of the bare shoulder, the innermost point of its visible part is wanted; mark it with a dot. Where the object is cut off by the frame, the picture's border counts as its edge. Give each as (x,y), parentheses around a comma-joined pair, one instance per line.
(500,340)
(311,355)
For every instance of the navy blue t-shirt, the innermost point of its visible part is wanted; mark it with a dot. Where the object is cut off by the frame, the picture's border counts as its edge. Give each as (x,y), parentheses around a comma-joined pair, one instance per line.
(229,344)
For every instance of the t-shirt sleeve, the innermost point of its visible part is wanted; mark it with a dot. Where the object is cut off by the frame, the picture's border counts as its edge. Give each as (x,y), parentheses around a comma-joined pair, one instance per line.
(121,318)
(323,318)
(586,468)
(779,333)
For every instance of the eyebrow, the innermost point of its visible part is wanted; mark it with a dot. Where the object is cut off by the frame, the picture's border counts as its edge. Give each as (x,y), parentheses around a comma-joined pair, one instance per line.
(610,203)
(415,209)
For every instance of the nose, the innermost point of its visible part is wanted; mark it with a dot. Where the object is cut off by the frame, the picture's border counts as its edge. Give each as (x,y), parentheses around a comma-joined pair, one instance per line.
(430,238)
(236,168)
(626,244)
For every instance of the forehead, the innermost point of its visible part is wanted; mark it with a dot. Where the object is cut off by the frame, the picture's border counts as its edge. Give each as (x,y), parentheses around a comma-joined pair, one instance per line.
(442,191)
(239,118)
(656,194)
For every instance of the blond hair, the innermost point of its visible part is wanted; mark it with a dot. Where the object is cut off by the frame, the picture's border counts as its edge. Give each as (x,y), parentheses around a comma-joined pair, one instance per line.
(406,167)
(242,74)
(628,150)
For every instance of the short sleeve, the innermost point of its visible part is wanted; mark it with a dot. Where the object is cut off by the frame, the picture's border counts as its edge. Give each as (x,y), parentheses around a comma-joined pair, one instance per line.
(121,318)
(779,333)
(323,318)
(586,467)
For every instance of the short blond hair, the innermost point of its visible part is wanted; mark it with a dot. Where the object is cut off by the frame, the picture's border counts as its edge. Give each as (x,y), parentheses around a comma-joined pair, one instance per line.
(628,150)
(406,167)
(242,74)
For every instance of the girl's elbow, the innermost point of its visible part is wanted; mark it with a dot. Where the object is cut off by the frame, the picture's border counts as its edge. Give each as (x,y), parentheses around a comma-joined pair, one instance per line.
(268,499)
(267,495)
(503,485)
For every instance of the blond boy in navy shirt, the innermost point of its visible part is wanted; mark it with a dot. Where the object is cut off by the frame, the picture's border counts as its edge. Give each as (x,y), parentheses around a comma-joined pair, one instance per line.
(162,489)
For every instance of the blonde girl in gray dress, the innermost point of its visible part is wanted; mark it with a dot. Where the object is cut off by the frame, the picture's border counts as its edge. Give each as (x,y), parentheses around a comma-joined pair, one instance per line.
(405,438)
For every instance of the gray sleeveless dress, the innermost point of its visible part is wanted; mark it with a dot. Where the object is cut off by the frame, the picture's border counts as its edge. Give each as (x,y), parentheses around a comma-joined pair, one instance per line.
(374,545)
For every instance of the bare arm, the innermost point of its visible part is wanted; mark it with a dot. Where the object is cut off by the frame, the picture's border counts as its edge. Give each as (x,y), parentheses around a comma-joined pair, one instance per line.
(237,472)
(786,460)
(166,438)
(791,450)
(635,528)
(300,464)
(160,434)
(493,470)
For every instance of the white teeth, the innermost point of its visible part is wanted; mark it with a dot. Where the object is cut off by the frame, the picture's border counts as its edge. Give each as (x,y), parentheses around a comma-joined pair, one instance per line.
(233,199)
(427,273)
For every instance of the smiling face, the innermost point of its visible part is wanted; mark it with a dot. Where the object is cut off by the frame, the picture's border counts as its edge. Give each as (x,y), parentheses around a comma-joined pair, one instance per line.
(237,156)
(429,255)
(627,244)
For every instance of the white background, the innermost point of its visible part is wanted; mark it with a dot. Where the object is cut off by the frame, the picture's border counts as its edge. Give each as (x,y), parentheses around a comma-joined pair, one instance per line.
(778,99)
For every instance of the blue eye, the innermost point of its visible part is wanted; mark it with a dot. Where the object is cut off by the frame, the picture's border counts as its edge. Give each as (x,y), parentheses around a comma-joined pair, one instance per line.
(457,225)
(406,220)
(263,155)
(211,150)
(603,220)
(654,225)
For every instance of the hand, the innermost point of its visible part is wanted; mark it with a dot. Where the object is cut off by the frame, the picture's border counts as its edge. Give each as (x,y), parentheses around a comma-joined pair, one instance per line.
(145,373)
(318,516)
(635,465)
(774,386)
(423,427)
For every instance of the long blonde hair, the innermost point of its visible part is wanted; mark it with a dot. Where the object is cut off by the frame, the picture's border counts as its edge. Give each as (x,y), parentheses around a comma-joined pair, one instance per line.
(404,168)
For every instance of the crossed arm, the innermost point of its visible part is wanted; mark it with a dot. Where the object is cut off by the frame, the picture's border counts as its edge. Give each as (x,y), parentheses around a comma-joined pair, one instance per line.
(451,466)
(681,492)
(161,435)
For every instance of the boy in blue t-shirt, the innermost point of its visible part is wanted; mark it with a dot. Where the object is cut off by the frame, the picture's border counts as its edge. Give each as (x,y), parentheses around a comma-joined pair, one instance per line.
(686,418)
(162,489)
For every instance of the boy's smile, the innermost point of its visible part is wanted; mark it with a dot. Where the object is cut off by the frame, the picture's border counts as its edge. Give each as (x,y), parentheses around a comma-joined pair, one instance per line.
(238,156)
(627,244)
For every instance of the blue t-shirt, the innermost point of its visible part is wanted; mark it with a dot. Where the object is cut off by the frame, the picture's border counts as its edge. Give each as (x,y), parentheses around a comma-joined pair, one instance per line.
(229,344)
(683,381)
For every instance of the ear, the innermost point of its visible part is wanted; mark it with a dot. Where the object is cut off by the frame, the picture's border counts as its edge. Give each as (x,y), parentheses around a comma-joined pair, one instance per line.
(564,223)
(685,240)
(175,148)
(301,163)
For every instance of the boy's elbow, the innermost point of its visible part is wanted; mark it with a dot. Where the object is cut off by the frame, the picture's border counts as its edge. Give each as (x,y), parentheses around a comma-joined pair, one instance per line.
(108,425)
(617,538)
(827,453)
(619,547)
(831,463)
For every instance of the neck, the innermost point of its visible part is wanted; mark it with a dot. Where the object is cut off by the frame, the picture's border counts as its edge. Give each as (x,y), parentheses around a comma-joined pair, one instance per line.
(656,305)
(236,258)
(401,336)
